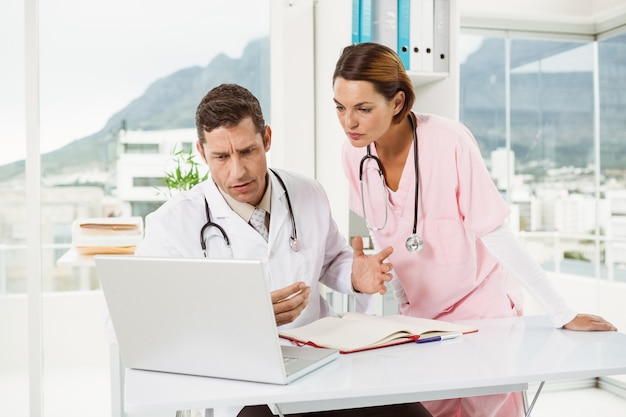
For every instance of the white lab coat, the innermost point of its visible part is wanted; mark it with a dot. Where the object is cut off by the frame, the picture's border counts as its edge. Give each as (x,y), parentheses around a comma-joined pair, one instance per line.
(325,256)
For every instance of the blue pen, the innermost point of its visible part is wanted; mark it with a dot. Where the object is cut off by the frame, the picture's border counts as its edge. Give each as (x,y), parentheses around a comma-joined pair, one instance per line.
(439,338)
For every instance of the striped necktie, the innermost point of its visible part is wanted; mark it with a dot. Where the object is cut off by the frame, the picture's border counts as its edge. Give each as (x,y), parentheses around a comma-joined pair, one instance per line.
(258,222)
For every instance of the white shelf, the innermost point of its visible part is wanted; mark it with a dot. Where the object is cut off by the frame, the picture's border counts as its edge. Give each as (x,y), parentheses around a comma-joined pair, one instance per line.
(421,78)
(73,258)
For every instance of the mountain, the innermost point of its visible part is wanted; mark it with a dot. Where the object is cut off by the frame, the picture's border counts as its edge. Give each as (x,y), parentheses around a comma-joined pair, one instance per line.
(168,103)
(551,112)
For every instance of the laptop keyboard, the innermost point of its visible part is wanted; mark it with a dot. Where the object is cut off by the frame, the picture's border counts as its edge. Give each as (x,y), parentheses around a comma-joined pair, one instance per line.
(287,359)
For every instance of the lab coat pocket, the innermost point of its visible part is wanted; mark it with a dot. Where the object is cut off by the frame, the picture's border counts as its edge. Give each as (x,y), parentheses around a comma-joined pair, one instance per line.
(449,242)
(307,265)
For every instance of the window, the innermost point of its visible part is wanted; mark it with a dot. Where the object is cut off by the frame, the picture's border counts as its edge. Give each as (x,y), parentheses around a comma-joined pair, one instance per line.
(530,104)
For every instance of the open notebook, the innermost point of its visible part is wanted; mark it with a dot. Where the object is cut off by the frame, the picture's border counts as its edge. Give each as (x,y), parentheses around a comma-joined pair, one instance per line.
(203,317)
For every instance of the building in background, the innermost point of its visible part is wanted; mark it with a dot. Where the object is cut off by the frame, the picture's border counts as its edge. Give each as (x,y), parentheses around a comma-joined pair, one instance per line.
(144,158)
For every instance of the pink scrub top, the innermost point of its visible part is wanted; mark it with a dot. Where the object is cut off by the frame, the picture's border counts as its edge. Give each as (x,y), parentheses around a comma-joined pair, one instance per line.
(454,276)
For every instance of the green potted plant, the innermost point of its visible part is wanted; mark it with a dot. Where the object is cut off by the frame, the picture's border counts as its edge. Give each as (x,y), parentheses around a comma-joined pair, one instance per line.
(186,172)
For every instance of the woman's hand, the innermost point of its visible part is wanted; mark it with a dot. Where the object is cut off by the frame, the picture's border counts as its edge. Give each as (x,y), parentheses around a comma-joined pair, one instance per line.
(589,322)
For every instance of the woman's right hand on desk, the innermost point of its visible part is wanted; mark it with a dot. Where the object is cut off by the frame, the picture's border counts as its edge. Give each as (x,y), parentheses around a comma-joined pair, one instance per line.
(289,302)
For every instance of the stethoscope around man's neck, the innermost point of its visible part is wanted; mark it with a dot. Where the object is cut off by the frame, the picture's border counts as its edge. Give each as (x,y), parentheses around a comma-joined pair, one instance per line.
(414,243)
(294,243)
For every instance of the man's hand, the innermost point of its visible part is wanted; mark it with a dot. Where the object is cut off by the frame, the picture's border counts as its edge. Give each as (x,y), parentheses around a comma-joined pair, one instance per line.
(289,302)
(588,322)
(369,273)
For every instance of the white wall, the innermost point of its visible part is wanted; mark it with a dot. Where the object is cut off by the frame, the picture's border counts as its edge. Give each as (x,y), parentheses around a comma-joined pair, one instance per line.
(328,132)
(292,81)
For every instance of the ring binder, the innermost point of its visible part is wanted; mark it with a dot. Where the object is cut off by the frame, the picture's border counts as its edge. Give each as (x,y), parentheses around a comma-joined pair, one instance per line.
(441,36)
(418,30)
(385,23)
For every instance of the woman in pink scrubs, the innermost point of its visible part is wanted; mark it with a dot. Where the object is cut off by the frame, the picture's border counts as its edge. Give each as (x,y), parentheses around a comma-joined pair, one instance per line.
(468,252)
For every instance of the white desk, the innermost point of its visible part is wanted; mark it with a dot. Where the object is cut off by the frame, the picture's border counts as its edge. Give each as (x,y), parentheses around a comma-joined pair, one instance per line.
(503,356)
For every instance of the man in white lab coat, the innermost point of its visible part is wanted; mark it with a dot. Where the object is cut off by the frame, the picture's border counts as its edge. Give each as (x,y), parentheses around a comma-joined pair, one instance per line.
(303,247)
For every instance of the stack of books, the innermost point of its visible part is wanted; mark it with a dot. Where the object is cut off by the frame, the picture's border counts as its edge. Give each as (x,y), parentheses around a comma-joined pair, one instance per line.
(107,235)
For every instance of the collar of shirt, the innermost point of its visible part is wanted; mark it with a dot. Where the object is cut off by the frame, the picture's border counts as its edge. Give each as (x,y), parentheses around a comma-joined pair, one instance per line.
(244,210)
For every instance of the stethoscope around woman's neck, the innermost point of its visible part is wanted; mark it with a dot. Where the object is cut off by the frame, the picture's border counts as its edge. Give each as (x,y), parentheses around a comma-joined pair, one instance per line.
(414,243)
(294,243)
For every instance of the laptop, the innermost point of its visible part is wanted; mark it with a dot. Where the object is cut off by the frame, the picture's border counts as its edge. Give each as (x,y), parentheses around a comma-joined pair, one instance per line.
(206,317)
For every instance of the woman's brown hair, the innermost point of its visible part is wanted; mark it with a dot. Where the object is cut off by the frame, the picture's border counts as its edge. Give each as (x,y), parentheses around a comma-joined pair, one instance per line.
(379,65)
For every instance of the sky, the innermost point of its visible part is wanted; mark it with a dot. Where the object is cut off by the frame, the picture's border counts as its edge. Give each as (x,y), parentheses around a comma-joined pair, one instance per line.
(97,56)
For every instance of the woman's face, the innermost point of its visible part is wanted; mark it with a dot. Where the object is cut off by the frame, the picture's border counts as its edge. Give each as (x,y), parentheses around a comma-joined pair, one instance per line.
(364,114)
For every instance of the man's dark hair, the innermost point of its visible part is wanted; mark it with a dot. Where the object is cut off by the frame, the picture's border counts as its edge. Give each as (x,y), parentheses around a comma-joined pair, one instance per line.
(228,105)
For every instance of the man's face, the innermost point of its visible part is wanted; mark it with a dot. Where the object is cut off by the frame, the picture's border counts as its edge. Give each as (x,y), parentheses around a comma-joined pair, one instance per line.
(236,159)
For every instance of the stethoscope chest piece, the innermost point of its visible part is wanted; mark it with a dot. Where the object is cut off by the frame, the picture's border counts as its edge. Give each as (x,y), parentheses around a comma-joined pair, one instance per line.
(414,243)
(295,244)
